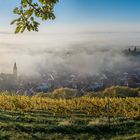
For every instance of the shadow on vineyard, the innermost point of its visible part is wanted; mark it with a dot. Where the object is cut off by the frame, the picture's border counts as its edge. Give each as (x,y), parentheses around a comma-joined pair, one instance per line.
(40,126)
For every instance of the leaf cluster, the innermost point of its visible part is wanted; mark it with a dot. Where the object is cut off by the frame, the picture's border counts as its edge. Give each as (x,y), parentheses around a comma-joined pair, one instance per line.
(30,10)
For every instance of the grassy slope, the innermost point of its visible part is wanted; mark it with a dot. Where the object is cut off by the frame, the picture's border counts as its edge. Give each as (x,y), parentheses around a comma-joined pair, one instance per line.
(44,126)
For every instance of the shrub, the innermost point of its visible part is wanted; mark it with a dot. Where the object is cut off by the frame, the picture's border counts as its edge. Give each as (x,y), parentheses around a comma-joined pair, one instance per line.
(116,91)
(95,94)
(119,91)
(64,93)
(41,94)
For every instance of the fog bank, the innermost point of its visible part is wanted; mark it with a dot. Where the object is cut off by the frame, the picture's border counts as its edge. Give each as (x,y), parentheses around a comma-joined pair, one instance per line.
(85,53)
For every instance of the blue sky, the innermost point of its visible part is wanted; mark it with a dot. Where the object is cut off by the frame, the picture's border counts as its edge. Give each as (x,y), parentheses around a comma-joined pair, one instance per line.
(99,10)
(96,14)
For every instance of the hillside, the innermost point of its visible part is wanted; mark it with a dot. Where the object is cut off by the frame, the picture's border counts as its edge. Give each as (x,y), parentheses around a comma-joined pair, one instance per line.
(43,118)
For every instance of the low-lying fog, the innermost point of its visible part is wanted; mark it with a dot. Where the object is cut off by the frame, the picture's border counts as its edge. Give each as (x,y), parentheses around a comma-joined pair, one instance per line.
(85,53)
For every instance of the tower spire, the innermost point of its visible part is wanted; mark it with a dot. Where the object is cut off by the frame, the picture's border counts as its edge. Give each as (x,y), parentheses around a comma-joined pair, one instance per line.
(15,70)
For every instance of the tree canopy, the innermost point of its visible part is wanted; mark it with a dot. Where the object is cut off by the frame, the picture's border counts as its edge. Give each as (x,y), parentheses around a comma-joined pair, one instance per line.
(29,11)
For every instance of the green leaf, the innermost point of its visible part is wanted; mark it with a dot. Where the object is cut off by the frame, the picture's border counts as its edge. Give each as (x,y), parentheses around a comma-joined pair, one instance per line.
(18,28)
(14,21)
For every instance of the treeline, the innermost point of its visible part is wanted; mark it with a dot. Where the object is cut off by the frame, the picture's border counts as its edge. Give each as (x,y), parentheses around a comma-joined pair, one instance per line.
(68,93)
(114,91)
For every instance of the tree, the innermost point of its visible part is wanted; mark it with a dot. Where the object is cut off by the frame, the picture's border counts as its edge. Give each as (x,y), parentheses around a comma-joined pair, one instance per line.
(29,11)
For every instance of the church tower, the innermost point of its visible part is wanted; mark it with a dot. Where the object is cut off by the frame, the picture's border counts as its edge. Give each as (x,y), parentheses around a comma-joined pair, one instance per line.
(15,70)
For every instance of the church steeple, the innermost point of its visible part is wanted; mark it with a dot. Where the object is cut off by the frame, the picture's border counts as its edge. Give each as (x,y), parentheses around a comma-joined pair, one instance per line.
(15,70)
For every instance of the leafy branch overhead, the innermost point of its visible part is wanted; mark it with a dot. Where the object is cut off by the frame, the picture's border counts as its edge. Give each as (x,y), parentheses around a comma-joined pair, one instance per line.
(29,11)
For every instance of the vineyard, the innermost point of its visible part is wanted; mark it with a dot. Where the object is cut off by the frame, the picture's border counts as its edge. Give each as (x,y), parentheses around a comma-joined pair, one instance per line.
(43,118)
(97,107)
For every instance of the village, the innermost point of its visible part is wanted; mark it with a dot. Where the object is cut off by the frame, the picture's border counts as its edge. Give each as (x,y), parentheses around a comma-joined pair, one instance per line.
(48,82)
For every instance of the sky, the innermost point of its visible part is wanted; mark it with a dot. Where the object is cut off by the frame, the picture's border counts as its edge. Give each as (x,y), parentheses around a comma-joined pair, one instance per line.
(82,27)
(98,15)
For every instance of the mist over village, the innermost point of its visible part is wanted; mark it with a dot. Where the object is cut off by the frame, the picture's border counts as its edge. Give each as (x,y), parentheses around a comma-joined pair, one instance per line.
(92,64)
